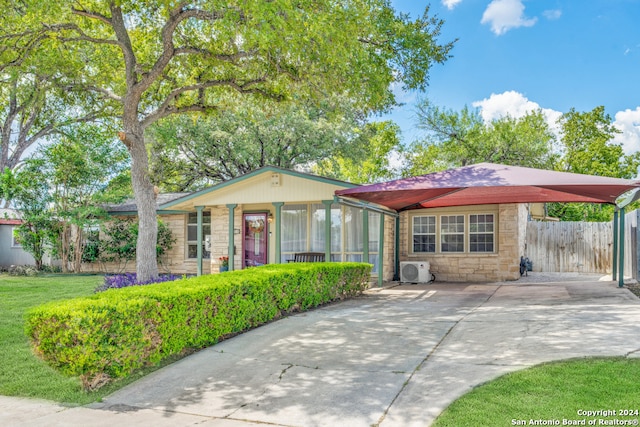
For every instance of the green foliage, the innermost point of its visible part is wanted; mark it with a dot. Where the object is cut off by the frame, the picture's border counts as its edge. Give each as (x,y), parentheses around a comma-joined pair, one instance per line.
(39,99)
(366,158)
(588,149)
(192,152)
(145,61)
(78,167)
(31,196)
(116,242)
(585,146)
(462,138)
(113,333)
(60,192)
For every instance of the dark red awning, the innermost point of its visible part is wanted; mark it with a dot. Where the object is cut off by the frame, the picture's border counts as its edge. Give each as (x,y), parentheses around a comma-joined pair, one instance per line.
(488,183)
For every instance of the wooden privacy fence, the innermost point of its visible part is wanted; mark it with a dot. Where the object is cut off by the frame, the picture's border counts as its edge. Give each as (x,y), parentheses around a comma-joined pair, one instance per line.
(580,247)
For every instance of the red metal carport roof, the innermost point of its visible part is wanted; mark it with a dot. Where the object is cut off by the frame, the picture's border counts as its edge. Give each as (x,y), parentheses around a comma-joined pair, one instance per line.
(488,183)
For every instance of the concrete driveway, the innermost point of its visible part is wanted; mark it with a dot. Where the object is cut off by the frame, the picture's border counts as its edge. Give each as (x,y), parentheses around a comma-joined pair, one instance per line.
(394,357)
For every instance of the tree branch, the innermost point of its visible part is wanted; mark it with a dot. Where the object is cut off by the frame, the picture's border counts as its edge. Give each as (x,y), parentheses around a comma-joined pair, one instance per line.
(228,57)
(167,107)
(91,15)
(176,16)
(107,93)
(117,23)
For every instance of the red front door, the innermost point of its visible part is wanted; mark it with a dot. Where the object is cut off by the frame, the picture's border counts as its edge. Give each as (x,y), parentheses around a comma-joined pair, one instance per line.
(254,242)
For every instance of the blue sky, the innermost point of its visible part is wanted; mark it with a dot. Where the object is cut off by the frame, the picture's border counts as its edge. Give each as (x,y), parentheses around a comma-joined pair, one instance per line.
(513,56)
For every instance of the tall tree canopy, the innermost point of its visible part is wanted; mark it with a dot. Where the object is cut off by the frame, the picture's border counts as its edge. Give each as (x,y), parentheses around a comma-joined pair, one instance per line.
(587,147)
(188,153)
(454,139)
(61,191)
(37,96)
(584,144)
(367,158)
(150,59)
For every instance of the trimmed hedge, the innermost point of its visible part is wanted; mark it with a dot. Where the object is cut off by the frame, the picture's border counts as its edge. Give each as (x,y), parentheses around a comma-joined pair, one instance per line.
(113,333)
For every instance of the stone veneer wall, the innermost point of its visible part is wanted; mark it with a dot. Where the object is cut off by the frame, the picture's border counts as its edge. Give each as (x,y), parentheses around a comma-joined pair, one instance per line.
(174,261)
(466,267)
(220,236)
(389,248)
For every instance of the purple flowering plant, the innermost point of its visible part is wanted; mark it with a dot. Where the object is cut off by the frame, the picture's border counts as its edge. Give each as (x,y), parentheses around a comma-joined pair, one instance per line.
(118,281)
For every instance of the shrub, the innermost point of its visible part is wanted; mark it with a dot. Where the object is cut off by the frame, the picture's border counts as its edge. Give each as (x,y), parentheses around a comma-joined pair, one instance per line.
(110,334)
(23,270)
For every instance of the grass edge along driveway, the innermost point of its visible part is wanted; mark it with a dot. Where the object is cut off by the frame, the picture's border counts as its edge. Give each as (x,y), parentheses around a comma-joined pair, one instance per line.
(587,391)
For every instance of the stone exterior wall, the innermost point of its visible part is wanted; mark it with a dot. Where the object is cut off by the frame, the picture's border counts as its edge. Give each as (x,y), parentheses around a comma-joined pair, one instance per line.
(389,248)
(174,261)
(501,265)
(220,236)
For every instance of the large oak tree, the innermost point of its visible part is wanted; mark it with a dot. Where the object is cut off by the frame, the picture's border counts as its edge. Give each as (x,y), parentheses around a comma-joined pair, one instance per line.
(154,58)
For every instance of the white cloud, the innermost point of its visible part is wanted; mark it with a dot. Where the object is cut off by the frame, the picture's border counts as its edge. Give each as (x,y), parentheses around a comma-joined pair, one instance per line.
(504,15)
(450,4)
(552,14)
(628,121)
(516,105)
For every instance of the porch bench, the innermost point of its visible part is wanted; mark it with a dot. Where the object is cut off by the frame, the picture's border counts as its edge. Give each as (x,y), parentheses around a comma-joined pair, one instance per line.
(308,257)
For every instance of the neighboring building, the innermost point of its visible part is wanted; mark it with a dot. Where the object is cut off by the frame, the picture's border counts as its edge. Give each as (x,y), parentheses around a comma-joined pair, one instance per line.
(11,252)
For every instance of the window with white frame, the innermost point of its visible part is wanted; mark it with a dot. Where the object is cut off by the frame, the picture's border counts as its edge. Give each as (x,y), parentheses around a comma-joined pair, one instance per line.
(481,233)
(452,233)
(424,233)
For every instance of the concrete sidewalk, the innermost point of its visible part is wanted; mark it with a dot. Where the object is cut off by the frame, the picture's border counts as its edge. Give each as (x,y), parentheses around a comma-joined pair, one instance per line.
(394,357)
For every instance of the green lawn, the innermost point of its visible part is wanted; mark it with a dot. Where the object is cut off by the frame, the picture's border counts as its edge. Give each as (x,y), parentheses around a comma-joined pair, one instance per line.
(554,391)
(22,373)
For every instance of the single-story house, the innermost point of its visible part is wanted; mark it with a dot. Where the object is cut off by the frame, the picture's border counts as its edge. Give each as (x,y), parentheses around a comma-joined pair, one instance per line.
(468,224)
(265,217)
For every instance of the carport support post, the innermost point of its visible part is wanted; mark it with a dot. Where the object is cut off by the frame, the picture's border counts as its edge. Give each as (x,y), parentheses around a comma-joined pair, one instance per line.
(621,251)
(637,248)
(614,264)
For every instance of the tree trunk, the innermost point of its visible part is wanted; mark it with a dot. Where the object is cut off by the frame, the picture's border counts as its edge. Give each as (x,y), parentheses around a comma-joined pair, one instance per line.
(146,262)
(79,249)
(65,246)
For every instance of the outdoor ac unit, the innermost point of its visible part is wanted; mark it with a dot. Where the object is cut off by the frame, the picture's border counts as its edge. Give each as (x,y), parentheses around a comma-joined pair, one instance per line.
(415,272)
